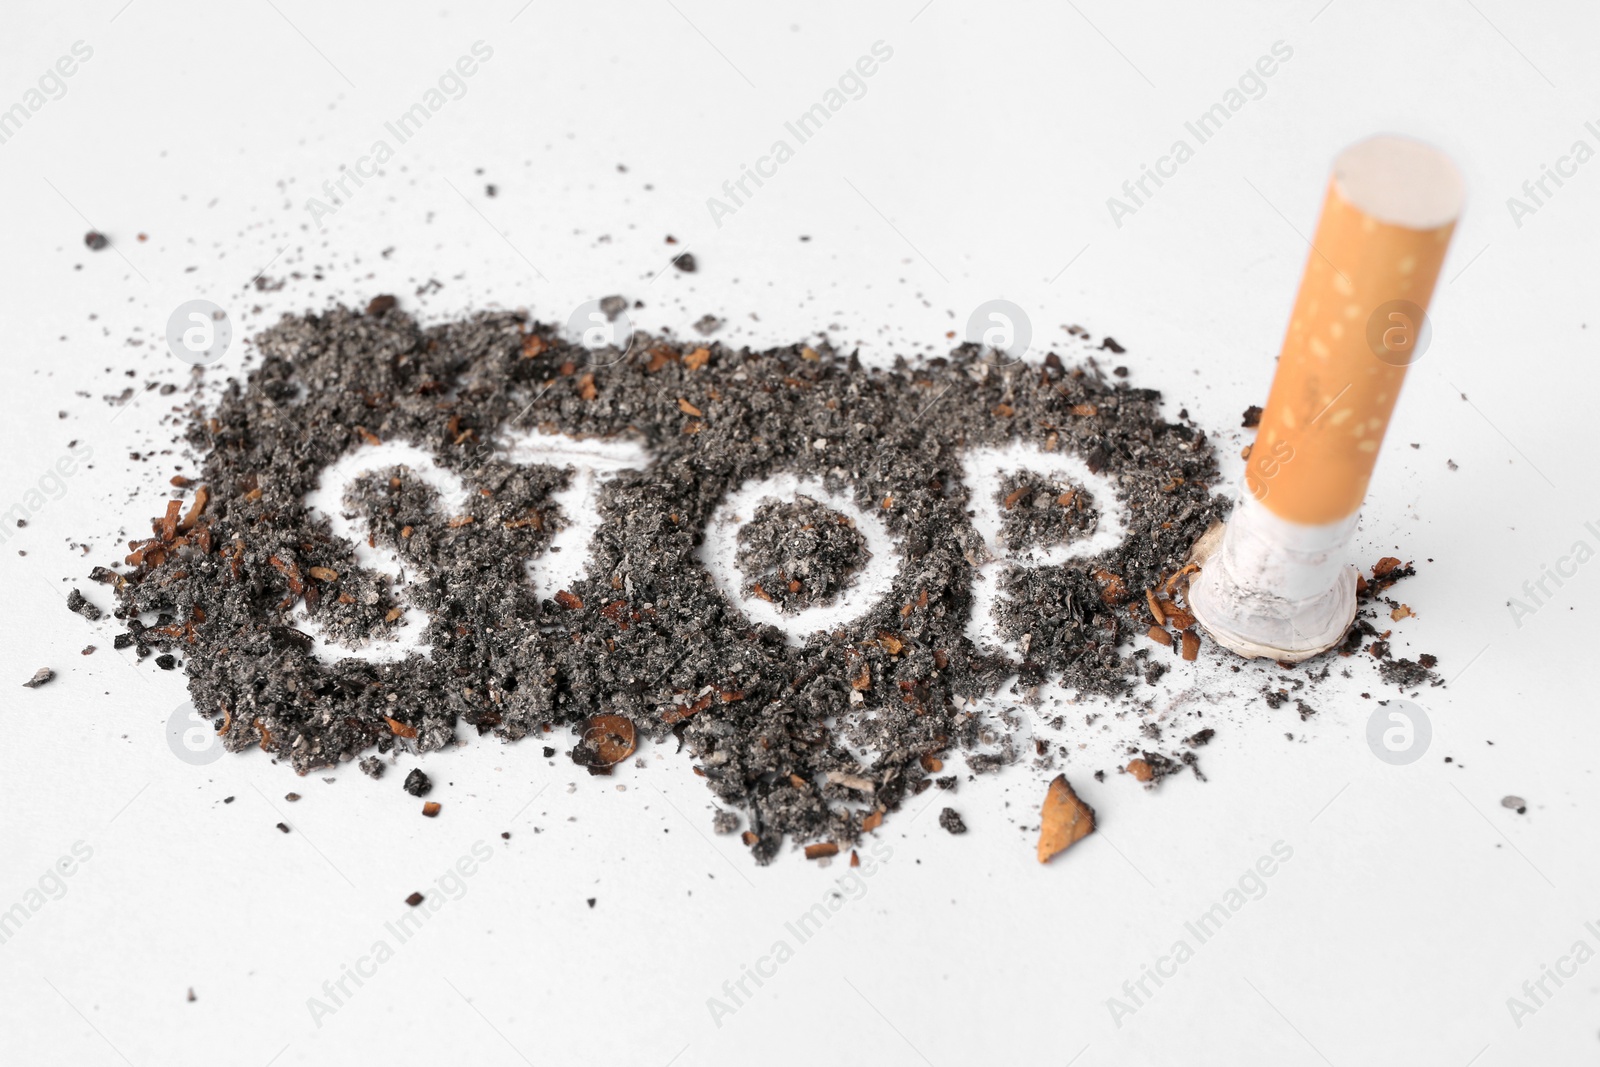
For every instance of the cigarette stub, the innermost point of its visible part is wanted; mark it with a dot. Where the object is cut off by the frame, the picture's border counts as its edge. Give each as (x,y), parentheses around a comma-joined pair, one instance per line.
(1358,323)
(1276,581)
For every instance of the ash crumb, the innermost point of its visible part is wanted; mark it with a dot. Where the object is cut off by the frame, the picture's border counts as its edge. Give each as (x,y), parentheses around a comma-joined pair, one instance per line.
(40,677)
(291,797)
(725,822)
(1152,768)
(1406,674)
(1305,710)
(191,998)
(612,306)
(1515,803)
(685,262)
(94,240)
(1202,738)
(372,767)
(591,902)
(417,783)
(415,898)
(76,602)
(707,324)
(283,827)
(1252,417)
(952,821)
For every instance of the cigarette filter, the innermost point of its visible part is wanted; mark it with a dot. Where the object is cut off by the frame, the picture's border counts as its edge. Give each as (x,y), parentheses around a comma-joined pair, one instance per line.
(1275,580)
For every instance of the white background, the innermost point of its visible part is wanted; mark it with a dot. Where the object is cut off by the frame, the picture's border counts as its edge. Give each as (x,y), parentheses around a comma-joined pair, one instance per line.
(977,165)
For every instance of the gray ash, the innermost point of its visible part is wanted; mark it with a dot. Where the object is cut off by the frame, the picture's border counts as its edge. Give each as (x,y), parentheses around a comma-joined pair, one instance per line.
(799,553)
(1037,511)
(646,633)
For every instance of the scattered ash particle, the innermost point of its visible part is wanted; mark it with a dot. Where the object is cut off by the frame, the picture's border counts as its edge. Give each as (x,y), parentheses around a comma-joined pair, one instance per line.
(612,306)
(372,767)
(94,240)
(1152,768)
(1252,417)
(1202,738)
(707,324)
(76,602)
(415,898)
(685,262)
(725,822)
(417,783)
(952,821)
(1406,674)
(591,902)
(1515,803)
(291,797)
(283,827)
(40,677)
(1305,710)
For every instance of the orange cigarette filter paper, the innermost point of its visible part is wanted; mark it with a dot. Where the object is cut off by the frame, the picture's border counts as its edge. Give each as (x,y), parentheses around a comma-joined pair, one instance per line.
(1354,331)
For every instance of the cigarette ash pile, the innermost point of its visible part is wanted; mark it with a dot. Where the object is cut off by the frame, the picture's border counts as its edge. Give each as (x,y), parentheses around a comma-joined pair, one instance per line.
(798,553)
(814,740)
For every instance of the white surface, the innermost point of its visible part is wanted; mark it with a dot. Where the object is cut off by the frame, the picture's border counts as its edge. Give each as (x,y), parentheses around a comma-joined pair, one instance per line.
(977,164)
